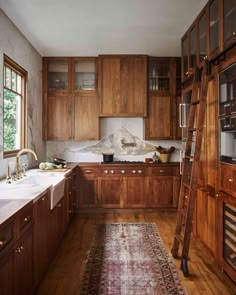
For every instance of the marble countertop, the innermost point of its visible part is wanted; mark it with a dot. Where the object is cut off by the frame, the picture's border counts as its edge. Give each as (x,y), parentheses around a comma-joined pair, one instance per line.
(15,195)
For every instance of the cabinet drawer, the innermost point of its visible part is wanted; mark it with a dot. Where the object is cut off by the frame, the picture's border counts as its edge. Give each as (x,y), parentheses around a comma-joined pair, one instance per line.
(26,217)
(6,235)
(88,171)
(123,171)
(165,171)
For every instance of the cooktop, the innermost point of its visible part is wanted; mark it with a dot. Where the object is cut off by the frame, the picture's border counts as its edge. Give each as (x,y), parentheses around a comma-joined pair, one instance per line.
(124,162)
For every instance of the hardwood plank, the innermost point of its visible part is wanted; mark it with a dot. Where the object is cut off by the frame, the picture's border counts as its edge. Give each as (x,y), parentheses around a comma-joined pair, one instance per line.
(65,272)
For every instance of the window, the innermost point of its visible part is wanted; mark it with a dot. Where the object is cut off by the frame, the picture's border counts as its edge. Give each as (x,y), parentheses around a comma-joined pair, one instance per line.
(14,107)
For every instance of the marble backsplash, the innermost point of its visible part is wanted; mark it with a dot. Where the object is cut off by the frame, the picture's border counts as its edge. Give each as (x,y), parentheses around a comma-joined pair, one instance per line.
(121,136)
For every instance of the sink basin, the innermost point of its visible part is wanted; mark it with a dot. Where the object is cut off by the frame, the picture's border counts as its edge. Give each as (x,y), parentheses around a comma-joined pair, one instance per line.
(33,185)
(33,180)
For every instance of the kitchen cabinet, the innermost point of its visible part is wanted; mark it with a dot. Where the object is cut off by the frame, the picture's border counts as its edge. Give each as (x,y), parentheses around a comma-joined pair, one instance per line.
(206,225)
(163,97)
(42,237)
(164,185)
(70,92)
(129,186)
(229,24)
(226,236)
(16,253)
(23,264)
(123,85)
(88,187)
(59,222)
(71,192)
(110,188)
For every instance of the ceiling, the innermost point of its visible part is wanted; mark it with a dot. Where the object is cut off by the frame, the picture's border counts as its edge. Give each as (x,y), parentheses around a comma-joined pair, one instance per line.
(92,27)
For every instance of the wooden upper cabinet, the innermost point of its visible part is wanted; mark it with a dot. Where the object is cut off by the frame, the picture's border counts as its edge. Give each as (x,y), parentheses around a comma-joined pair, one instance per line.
(123,86)
(58,117)
(70,98)
(164,96)
(229,22)
(202,37)
(214,26)
(158,122)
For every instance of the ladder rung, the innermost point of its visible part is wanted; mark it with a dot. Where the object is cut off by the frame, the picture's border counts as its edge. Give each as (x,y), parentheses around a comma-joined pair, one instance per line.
(189,157)
(186,185)
(196,102)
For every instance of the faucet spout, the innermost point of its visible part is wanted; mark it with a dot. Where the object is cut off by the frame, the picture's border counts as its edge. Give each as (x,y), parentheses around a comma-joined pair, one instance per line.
(18,157)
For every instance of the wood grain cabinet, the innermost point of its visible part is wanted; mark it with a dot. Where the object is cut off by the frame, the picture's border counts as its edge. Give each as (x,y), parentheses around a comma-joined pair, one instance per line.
(70,98)
(87,187)
(164,185)
(162,121)
(16,253)
(42,237)
(123,85)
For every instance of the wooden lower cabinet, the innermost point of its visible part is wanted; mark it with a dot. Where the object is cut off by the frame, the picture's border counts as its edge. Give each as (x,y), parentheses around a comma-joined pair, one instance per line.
(59,222)
(205,223)
(87,187)
(6,274)
(111,190)
(126,186)
(136,192)
(41,237)
(164,192)
(23,264)
(16,256)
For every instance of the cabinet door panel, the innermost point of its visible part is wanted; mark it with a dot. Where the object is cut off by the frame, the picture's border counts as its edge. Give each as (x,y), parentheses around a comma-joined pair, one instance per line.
(58,117)
(87,193)
(86,125)
(136,192)
(6,275)
(41,237)
(110,85)
(157,125)
(23,264)
(161,192)
(110,192)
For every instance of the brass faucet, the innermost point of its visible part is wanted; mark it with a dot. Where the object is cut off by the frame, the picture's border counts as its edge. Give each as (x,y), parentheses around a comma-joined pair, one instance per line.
(18,157)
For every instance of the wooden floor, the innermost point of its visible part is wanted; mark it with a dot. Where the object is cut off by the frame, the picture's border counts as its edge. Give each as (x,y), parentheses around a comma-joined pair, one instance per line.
(64,274)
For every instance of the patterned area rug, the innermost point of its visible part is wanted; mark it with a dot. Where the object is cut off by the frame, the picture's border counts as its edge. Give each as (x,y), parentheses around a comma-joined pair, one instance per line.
(130,259)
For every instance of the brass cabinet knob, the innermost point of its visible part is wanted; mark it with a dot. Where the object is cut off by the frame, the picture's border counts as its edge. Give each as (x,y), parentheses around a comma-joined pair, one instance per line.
(26,219)
(230,180)
(106,171)
(234,33)
(112,171)
(43,199)
(122,171)
(59,205)
(134,171)
(140,171)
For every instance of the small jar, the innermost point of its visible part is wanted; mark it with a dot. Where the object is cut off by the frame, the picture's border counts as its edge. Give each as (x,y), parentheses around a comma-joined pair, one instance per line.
(155,157)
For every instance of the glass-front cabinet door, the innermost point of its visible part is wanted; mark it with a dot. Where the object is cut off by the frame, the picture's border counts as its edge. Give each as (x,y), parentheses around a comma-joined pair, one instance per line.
(202,37)
(193,47)
(159,74)
(58,75)
(229,20)
(85,75)
(185,53)
(214,25)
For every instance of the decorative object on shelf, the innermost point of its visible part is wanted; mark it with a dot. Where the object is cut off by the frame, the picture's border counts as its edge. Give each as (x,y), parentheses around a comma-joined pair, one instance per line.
(155,157)
(164,153)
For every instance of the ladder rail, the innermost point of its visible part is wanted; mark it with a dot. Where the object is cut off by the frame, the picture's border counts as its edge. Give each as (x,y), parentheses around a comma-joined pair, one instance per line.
(187,193)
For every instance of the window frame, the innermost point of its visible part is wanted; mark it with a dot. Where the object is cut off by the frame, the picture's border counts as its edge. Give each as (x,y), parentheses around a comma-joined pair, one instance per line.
(8,62)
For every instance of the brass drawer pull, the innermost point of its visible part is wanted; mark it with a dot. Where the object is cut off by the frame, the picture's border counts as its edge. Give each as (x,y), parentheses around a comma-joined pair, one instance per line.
(87,171)
(3,243)
(230,180)
(161,171)
(59,205)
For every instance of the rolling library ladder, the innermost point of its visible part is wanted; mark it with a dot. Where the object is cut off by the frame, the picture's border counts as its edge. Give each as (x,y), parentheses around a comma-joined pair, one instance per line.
(190,166)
